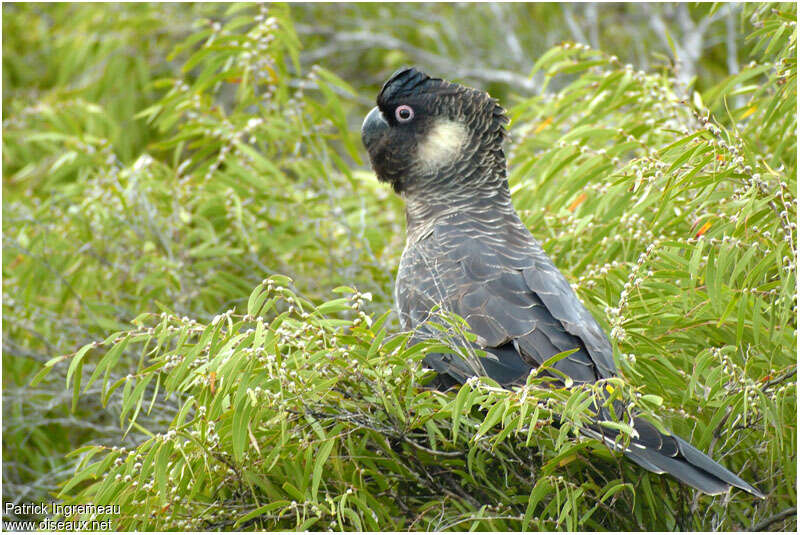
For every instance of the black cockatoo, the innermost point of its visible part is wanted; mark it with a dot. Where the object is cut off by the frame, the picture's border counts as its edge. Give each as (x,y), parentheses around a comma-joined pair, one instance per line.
(439,145)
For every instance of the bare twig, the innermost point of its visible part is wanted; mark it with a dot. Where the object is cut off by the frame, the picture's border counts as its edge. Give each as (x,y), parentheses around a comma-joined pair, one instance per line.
(780,379)
(764,524)
(591,17)
(574,27)
(730,40)
(368,40)
(434,452)
(500,11)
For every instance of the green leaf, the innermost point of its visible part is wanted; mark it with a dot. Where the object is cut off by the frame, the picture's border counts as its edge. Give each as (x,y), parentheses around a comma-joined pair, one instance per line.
(540,490)
(319,464)
(48,366)
(494,415)
(76,361)
(458,408)
(334,306)
(76,389)
(108,361)
(161,469)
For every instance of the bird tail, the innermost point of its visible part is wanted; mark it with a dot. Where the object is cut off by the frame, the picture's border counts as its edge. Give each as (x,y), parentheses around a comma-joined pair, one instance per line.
(666,453)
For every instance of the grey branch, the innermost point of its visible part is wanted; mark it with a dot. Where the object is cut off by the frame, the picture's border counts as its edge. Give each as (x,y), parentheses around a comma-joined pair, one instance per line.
(500,11)
(364,40)
(574,27)
(764,524)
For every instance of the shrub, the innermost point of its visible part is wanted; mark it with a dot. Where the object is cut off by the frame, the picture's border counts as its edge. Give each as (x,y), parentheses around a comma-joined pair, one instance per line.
(675,218)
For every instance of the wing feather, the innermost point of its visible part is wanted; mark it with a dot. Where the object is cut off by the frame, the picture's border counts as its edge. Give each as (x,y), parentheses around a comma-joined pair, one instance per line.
(544,279)
(510,294)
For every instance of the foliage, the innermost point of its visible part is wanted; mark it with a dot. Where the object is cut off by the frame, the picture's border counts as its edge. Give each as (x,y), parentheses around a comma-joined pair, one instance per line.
(674,216)
(365,42)
(94,235)
(310,420)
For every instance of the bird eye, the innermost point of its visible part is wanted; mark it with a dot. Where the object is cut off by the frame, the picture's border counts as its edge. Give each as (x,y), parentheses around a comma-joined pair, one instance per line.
(404,113)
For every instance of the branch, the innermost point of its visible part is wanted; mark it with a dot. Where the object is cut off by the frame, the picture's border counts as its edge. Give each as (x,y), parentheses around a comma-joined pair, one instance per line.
(779,379)
(338,42)
(574,27)
(591,19)
(433,452)
(730,40)
(786,513)
(512,41)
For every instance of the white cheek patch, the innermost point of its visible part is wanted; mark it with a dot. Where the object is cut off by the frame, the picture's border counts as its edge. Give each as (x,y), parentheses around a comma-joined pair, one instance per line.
(442,145)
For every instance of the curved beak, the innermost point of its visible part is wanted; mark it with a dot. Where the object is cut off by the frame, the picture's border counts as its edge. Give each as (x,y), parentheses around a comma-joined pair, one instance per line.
(373,128)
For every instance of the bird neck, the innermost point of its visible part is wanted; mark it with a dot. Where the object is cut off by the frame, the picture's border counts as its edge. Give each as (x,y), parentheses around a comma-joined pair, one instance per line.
(426,207)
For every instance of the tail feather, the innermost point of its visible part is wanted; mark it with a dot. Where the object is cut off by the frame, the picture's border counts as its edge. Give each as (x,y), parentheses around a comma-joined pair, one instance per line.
(669,454)
(649,448)
(679,468)
(702,461)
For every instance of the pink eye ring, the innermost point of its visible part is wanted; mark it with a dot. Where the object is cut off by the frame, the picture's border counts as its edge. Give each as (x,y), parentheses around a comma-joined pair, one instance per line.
(404,113)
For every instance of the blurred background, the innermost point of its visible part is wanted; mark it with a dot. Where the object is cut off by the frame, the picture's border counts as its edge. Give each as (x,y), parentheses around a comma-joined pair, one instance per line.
(142,172)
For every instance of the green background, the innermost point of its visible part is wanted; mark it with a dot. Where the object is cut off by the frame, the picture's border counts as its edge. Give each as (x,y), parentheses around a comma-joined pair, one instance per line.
(166,158)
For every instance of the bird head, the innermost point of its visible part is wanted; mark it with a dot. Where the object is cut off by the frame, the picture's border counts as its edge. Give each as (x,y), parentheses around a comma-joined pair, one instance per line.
(427,134)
